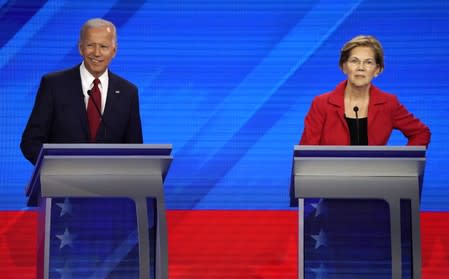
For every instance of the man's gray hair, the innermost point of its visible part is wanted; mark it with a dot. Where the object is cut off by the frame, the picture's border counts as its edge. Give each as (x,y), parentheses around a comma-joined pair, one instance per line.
(95,23)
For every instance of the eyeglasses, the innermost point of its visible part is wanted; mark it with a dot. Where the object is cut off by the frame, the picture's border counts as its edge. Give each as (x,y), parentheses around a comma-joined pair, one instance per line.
(368,63)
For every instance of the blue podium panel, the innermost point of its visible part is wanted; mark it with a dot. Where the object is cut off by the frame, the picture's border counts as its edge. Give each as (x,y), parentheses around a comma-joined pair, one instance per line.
(347,238)
(97,238)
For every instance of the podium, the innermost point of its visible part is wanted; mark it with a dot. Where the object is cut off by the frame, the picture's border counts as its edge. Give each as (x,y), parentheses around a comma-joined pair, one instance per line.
(101,210)
(388,173)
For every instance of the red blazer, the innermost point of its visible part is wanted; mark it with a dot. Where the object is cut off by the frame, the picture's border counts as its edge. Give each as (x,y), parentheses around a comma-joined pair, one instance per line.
(325,122)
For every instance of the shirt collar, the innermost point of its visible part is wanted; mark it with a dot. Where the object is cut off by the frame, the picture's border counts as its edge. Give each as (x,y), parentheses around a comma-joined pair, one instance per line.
(88,78)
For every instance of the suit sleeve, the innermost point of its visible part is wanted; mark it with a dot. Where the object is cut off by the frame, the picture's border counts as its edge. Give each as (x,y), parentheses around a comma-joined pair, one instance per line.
(313,124)
(416,131)
(134,129)
(38,126)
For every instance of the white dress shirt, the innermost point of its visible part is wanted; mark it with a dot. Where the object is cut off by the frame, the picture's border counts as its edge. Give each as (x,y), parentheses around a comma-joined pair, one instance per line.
(87,82)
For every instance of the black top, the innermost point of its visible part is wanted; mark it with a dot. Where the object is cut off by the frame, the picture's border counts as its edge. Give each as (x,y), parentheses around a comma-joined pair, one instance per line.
(358,130)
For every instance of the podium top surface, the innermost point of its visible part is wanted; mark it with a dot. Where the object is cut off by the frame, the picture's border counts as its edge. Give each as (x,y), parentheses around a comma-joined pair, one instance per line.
(107,149)
(310,151)
(107,158)
(357,171)
(359,160)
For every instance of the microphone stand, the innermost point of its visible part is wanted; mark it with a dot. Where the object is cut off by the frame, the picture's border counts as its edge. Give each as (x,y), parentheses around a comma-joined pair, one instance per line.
(356,109)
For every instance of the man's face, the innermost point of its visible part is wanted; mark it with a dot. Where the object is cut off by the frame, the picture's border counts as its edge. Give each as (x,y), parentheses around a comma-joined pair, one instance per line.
(97,48)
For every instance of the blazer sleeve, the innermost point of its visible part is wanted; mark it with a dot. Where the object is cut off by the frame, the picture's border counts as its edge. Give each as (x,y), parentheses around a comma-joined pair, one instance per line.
(134,129)
(38,126)
(416,131)
(313,123)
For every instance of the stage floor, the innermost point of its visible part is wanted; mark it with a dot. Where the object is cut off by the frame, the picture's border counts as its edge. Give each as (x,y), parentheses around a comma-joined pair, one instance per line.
(221,244)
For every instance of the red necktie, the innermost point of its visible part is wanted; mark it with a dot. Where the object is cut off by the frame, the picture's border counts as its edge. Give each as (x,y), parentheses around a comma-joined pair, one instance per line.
(93,115)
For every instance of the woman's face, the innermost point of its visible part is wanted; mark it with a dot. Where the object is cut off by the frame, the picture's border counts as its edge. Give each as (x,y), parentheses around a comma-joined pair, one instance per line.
(361,67)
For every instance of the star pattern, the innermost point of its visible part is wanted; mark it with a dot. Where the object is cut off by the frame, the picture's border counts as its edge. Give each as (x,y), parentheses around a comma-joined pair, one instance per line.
(80,228)
(320,208)
(66,207)
(321,239)
(320,273)
(66,239)
(64,272)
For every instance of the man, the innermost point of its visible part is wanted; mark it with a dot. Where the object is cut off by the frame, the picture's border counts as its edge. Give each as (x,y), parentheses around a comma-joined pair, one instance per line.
(87,103)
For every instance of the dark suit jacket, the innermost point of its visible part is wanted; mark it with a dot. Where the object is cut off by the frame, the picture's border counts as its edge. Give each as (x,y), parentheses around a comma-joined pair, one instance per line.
(325,123)
(59,113)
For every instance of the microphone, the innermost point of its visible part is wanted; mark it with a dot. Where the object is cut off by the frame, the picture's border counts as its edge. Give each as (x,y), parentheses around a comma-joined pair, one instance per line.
(356,109)
(89,92)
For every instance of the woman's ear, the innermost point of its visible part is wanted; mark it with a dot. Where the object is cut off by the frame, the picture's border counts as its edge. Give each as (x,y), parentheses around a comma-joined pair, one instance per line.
(343,68)
(377,72)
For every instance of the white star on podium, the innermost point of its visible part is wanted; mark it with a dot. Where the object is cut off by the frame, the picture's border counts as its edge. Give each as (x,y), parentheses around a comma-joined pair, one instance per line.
(66,238)
(320,239)
(66,207)
(320,208)
(320,272)
(65,271)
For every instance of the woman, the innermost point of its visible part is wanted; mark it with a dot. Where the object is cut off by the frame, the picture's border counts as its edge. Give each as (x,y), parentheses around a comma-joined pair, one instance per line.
(356,112)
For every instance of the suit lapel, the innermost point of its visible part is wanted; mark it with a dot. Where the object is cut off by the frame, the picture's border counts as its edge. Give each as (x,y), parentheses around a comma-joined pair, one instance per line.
(112,97)
(77,91)
(337,100)
(375,105)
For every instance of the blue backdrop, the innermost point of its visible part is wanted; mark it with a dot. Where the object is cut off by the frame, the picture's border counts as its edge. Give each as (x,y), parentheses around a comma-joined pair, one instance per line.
(228,83)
